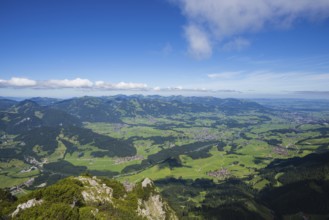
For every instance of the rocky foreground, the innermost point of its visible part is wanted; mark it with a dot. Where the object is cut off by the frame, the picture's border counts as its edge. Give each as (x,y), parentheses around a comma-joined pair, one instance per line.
(86,197)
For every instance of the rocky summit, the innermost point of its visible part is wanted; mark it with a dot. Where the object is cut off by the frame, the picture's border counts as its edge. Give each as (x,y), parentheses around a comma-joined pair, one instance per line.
(86,197)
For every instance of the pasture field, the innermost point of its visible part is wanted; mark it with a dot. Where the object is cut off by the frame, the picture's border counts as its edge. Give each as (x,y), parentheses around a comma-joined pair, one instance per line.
(243,144)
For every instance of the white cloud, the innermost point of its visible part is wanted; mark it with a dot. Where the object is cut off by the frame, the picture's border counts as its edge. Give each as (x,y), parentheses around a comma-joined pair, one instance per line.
(175,88)
(178,88)
(157,88)
(199,43)
(66,83)
(231,81)
(221,19)
(78,83)
(120,86)
(18,82)
(123,85)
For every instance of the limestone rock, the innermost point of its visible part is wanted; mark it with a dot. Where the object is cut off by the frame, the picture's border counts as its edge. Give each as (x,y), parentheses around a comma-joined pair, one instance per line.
(29,204)
(147,182)
(94,191)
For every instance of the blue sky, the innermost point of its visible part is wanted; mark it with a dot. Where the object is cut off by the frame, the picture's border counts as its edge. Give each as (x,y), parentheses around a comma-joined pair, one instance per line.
(236,48)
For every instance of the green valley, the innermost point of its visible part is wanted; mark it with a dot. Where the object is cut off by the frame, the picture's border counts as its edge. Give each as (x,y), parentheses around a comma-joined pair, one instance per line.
(208,157)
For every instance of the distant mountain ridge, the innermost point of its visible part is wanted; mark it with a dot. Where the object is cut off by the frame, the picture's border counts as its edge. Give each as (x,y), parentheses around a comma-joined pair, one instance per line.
(44,101)
(113,108)
(6,103)
(27,115)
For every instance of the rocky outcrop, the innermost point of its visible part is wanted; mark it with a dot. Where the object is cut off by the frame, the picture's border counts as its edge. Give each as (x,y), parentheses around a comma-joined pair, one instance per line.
(95,191)
(147,182)
(154,208)
(88,197)
(29,204)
